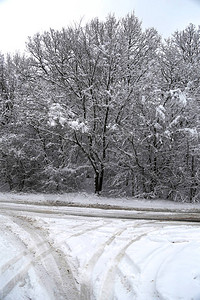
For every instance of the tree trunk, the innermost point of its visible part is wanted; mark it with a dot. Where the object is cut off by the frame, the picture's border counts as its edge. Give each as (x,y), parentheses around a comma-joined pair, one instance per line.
(193,188)
(98,181)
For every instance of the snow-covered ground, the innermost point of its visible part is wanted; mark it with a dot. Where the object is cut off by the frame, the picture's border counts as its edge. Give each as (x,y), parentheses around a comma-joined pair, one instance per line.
(46,252)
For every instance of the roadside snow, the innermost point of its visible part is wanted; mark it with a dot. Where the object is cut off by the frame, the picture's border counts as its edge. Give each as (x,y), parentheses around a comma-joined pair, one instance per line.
(91,199)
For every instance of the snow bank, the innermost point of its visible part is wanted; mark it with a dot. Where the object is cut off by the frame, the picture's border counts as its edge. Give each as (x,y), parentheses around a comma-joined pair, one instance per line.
(84,199)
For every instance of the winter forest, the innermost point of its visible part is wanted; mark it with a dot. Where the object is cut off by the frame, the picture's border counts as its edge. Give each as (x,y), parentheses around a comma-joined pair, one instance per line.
(107,108)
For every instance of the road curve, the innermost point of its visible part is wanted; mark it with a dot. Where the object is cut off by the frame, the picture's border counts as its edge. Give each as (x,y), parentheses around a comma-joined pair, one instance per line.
(104,212)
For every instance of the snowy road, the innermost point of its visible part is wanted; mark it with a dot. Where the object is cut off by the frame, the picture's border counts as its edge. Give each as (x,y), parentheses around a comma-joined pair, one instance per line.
(49,252)
(133,213)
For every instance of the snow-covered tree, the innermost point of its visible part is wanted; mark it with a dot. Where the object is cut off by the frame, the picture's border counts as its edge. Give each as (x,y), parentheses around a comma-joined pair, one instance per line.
(98,69)
(105,104)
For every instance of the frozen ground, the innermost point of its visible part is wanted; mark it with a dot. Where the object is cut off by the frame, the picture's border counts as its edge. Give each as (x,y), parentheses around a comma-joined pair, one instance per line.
(46,252)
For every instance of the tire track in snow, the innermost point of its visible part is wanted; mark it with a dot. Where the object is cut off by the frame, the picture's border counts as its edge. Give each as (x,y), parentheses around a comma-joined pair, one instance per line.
(50,264)
(107,284)
(13,271)
(16,269)
(107,281)
(33,256)
(135,270)
(126,282)
(74,263)
(87,230)
(64,281)
(16,258)
(86,282)
(86,285)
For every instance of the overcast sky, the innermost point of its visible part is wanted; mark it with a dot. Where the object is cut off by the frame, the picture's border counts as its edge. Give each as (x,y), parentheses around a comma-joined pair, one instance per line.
(22,18)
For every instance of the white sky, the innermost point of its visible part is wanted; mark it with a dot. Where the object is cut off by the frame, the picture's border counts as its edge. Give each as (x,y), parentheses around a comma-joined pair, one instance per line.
(21,18)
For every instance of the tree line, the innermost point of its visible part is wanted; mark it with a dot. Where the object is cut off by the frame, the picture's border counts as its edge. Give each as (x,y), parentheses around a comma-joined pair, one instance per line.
(106,107)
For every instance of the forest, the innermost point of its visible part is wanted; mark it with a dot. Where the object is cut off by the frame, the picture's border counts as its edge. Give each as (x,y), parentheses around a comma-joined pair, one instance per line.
(107,108)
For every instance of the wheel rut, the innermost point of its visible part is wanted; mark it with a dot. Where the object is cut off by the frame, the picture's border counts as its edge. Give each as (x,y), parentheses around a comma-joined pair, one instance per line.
(48,261)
